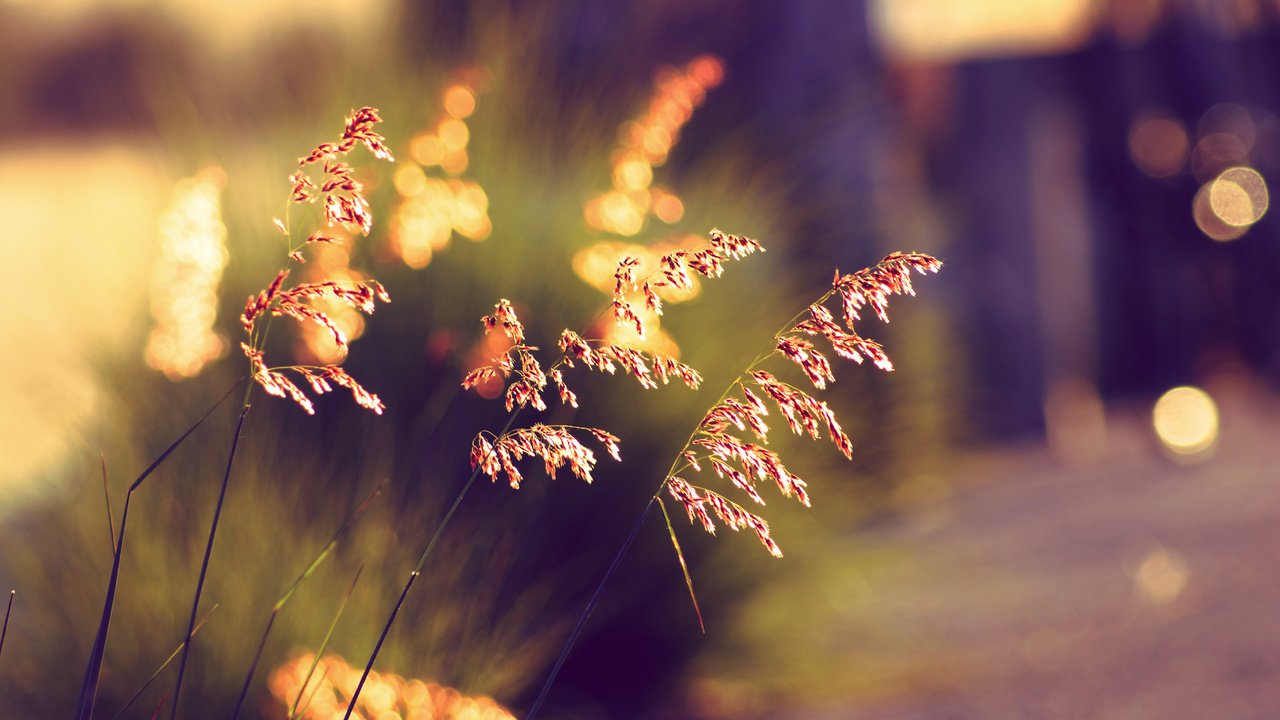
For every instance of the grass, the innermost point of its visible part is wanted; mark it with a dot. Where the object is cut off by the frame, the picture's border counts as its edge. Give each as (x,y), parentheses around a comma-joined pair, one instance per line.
(491,623)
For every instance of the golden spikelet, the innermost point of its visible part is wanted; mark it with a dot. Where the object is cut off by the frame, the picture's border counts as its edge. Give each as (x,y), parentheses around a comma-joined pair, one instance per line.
(343,205)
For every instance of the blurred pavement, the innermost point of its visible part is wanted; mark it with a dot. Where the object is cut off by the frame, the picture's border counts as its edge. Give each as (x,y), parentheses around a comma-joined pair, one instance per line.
(1130,587)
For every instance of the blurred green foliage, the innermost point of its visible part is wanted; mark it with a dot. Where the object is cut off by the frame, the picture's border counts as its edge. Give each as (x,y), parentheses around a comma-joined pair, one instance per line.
(496,598)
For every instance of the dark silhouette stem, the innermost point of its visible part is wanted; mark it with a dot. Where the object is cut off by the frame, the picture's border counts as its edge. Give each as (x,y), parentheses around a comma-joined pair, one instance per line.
(92,674)
(422,561)
(590,607)
(204,566)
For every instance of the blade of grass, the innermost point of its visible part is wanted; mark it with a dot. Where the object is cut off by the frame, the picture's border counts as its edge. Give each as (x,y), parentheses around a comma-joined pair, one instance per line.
(324,644)
(92,674)
(106,491)
(684,567)
(208,551)
(275,610)
(128,703)
(590,607)
(323,676)
(417,570)
(5,630)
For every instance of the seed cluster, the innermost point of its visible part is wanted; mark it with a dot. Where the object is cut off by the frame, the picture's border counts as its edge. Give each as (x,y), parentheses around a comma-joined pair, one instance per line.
(344,206)
(497,455)
(744,463)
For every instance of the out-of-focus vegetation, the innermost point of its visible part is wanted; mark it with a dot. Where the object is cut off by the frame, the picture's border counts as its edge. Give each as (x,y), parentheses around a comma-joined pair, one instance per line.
(1095,174)
(494,602)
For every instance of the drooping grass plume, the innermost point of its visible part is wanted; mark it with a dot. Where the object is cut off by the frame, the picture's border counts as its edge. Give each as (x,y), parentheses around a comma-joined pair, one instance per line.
(556,446)
(344,207)
(496,453)
(742,462)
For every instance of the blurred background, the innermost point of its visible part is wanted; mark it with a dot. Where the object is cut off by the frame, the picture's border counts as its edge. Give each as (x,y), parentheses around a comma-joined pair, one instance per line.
(1062,504)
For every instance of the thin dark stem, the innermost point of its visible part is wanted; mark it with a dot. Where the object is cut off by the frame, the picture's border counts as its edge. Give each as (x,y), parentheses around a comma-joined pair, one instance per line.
(590,607)
(324,644)
(253,666)
(315,563)
(626,545)
(138,693)
(422,561)
(89,688)
(7,611)
(106,491)
(381,639)
(204,565)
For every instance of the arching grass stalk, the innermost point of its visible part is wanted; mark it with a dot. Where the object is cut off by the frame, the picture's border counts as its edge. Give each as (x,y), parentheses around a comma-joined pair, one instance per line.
(744,463)
(344,205)
(413,576)
(555,444)
(89,686)
(208,552)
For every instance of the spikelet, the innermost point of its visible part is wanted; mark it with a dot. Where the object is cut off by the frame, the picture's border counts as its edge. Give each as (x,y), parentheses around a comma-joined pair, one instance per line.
(495,456)
(743,463)
(344,205)
(554,444)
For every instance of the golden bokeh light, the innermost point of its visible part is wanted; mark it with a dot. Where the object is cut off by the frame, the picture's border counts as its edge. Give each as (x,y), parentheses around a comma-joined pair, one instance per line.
(1161,577)
(655,339)
(632,174)
(455,161)
(410,180)
(184,284)
(459,101)
(431,208)
(1186,422)
(327,691)
(453,133)
(316,343)
(426,149)
(644,143)
(597,263)
(1158,144)
(1209,222)
(619,215)
(952,30)
(667,207)
(1238,196)
(483,352)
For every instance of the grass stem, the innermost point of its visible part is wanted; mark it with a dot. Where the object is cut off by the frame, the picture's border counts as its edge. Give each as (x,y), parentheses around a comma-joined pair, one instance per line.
(275,610)
(7,611)
(92,674)
(208,551)
(417,570)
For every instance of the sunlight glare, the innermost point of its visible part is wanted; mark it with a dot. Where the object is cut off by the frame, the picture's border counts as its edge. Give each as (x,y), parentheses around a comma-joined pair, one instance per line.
(1186,422)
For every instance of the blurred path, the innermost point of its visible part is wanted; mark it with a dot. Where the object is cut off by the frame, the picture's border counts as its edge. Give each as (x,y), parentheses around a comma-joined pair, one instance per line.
(1131,587)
